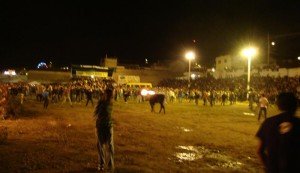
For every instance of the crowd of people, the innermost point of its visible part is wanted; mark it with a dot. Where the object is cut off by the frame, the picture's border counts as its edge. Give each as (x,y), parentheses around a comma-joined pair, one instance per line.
(84,90)
(234,89)
(210,90)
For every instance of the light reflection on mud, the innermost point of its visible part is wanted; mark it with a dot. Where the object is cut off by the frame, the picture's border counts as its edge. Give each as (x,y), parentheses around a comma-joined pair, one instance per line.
(214,158)
(188,153)
(184,129)
(249,113)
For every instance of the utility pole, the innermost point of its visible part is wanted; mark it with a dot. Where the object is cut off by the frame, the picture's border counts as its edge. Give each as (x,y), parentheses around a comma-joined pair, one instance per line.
(268,49)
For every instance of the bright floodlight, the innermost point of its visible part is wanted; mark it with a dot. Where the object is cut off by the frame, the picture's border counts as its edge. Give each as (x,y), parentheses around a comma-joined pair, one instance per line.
(273,43)
(193,76)
(151,92)
(249,52)
(299,58)
(144,92)
(190,55)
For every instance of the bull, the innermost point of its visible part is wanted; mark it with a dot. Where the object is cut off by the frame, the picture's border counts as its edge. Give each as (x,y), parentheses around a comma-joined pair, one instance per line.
(157,98)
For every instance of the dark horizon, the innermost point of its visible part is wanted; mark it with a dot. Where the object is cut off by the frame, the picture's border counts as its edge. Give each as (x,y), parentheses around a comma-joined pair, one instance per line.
(83,33)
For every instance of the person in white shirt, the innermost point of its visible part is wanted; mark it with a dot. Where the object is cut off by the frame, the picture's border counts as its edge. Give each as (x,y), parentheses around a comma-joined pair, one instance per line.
(263,105)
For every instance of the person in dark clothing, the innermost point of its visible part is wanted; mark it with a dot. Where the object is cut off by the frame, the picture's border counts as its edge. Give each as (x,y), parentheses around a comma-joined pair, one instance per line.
(279,138)
(89,96)
(251,98)
(104,130)
(212,98)
(224,97)
(197,97)
(126,95)
(78,93)
(46,98)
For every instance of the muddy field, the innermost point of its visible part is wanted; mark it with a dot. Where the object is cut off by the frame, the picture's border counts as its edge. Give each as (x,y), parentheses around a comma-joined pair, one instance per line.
(188,138)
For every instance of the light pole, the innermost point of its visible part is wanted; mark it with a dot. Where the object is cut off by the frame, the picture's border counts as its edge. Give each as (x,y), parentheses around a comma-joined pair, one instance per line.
(190,56)
(249,53)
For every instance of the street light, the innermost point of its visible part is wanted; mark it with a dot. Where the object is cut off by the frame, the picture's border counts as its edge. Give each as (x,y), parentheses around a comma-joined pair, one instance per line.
(249,52)
(190,56)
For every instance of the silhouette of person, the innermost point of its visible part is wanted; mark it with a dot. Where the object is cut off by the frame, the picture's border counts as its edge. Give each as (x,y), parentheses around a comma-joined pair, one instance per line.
(279,138)
(104,130)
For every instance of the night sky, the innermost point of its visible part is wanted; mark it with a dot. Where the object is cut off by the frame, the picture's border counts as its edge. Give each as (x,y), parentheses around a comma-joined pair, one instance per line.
(80,32)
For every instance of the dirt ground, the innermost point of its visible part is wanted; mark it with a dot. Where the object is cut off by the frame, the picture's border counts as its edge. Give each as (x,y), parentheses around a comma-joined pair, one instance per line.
(188,138)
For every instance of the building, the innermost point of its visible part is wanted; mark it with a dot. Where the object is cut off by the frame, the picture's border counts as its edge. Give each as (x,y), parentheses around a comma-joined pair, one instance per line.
(229,63)
(90,71)
(109,62)
(234,66)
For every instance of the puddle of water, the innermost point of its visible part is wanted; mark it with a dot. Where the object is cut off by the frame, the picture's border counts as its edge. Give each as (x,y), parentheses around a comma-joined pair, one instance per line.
(189,153)
(188,156)
(188,148)
(249,113)
(214,157)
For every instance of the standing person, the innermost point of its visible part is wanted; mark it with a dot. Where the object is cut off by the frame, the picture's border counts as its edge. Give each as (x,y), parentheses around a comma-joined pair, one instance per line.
(197,97)
(180,95)
(46,98)
(67,95)
(231,97)
(172,96)
(205,98)
(279,138)
(251,98)
(212,98)
(89,96)
(126,94)
(104,130)
(139,97)
(224,97)
(263,105)
(39,92)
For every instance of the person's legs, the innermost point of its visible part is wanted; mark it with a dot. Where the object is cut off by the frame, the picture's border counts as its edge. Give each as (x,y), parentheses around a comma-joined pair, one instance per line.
(69,100)
(100,149)
(251,105)
(101,157)
(111,164)
(265,112)
(87,101)
(47,103)
(64,98)
(259,113)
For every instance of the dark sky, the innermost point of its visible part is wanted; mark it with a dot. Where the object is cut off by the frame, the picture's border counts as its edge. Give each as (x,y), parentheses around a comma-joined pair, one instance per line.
(80,32)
